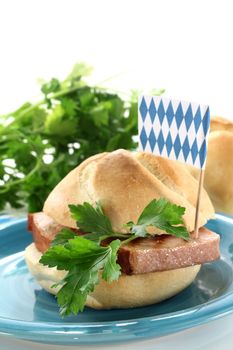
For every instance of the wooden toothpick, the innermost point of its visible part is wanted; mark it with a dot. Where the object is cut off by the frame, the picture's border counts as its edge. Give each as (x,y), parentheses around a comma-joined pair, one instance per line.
(200,185)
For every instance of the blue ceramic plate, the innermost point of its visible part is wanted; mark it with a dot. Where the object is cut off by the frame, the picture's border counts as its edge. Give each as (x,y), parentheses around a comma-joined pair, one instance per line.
(28,312)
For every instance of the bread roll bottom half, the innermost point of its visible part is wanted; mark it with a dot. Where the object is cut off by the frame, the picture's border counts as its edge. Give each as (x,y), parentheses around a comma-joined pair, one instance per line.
(127,292)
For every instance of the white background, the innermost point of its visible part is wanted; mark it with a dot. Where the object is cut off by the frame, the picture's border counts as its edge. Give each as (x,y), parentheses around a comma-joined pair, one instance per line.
(183,46)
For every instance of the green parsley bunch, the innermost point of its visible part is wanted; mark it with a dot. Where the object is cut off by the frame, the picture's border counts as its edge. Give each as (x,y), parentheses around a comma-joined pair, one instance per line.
(41,142)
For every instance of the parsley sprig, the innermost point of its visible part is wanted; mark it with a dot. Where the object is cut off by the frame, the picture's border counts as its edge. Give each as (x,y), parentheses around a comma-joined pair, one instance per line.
(86,260)
(83,259)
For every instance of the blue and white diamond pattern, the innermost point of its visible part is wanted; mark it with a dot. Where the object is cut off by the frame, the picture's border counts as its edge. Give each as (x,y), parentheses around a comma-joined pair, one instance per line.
(174,129)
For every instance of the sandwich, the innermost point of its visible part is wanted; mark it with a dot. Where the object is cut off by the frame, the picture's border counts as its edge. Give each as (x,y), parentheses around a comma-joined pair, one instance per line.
(117,232)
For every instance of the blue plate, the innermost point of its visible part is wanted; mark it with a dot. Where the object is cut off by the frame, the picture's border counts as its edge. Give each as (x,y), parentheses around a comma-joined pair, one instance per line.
(28,312)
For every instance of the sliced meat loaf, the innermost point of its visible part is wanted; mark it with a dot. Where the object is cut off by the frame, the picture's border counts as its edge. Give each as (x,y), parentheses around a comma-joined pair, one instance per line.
(158,253)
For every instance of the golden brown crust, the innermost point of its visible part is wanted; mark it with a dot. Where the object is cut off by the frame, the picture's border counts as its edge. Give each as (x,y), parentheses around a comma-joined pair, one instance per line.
(219,123)
(219,170)
(175,176)
(128,291)
(70,191)
(125,183)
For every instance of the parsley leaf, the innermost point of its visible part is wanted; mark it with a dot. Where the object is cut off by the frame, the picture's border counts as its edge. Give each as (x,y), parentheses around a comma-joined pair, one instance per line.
(72,296)
(90,219)
(95,237)
(163,215)
(111,270)
(63,236)
(83,259)
(93,221)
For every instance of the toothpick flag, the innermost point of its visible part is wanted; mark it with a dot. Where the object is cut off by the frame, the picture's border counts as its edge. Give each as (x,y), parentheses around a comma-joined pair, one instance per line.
(174,129)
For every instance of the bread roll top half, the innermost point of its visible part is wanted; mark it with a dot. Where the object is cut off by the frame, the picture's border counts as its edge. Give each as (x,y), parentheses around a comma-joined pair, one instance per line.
(124,183)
